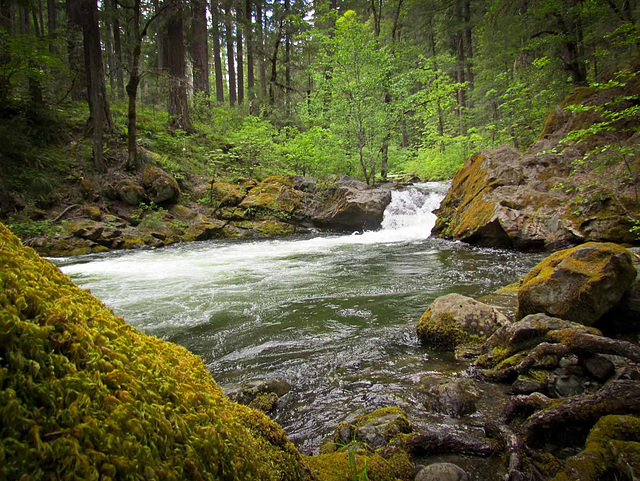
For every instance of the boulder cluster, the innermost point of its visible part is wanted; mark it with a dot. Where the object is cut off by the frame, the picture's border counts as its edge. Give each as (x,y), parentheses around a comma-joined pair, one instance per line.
(149,210)
(573,389)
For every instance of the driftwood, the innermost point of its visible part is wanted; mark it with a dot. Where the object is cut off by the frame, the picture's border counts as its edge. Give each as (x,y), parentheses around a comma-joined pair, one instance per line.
(432,441)
(524,406)
(561,343)
(62,214)
(617,397)
(514,449)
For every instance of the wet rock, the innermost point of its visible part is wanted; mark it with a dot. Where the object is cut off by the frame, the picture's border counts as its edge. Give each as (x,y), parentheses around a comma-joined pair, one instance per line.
(579,284)
(93,212)
(565,386)
(454,319)
(625,316)
(129,191)
(348,205)
(160,186)
(529,332)
(527,385)
(442,472)
(379,427)
(375,429)
(455,397)
(268,228)
(260,389)
(598,367)
(203,228)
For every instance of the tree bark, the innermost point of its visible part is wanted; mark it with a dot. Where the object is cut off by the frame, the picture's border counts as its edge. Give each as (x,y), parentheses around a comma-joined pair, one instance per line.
(274,66)
(85,14)
(117,51)
(52,25)
(432,441)
(262,68)
(231,69)
(217,58)
(250,47)
(178,107)
(200,47)
(108,48)
(287,58)
(240,56)
(468,49)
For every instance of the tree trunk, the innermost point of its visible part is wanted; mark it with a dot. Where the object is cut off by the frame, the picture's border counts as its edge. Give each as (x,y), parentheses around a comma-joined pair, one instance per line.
(200,47)
(132,92)
(231,70)
(161,42)
(468,49)
(76,59)
(274,66)
(287,58)
(250,72)
(85,14)
(108,48)
(217,58)
(262,68)
(178,107)
(52,25)
(117,47)
(240,57)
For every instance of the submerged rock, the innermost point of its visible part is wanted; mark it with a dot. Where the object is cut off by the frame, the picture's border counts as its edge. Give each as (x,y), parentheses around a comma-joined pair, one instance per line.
(579,284)
(261,394)
(455,319)
(455,397)
(442,472)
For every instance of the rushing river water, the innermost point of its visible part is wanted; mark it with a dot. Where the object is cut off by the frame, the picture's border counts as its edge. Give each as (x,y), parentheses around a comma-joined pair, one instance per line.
(333,315)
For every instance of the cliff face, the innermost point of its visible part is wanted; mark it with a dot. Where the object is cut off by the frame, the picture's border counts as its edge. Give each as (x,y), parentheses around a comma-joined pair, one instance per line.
(540,199)
(85,396)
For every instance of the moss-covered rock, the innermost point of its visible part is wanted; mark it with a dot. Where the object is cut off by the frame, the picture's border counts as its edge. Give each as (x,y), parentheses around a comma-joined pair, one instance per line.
(160,186)
(454,397)
(455,319)
(276,195)
(129,191)
(612,451)
(579,284)
(268,227)
(85,396)
(226,194)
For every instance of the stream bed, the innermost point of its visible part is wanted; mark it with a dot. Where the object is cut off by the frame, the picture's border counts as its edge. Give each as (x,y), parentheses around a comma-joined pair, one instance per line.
(334,315)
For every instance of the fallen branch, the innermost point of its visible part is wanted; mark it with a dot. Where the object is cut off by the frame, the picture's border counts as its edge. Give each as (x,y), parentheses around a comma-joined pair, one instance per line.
(433,441)
(513,448)
(72,206)
(617,397)
(524,406)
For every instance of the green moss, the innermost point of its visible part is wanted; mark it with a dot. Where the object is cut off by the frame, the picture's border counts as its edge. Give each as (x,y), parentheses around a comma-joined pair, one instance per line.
(84,395)
(276,195)
(226,194)
(264,402)
(612,451)
(336,466)
(444,333)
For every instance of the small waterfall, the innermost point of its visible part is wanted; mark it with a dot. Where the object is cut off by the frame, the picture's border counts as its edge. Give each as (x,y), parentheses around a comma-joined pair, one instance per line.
(410,213)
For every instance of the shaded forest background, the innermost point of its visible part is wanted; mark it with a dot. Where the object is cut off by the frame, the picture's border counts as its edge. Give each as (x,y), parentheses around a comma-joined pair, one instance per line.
(252,87)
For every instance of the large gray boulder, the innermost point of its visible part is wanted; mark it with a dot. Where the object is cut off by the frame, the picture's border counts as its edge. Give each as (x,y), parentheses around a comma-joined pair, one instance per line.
(349,205)
(442,472)
(579,284)
(455,397)
(454,319)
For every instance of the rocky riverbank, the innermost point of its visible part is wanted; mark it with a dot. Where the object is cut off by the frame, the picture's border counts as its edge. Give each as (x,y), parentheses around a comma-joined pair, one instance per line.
(557,194)
(149,210)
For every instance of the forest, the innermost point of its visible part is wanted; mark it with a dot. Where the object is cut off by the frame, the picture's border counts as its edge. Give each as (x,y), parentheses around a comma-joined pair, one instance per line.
(254,87)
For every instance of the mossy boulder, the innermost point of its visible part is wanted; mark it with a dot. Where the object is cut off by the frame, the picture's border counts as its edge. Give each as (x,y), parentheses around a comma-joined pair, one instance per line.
(225,193)
(442,472)
(454,397)
(129,191)
(455,319)
(612,451)
(160,186)
(579,284)
(267,228)
(275,195)
(85,396)
(203,228)
(504,198)
(353,462)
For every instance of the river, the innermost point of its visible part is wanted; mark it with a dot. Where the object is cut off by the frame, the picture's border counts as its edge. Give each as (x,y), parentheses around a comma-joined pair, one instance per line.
(334,315)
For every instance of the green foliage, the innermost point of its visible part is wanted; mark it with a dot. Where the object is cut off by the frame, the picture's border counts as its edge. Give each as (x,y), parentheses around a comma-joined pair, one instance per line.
(432,163)
(355,473)
(26,229)
(253,145)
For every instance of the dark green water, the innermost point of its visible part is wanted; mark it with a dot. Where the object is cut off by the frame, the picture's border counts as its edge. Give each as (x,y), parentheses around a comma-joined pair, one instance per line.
(333,315)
